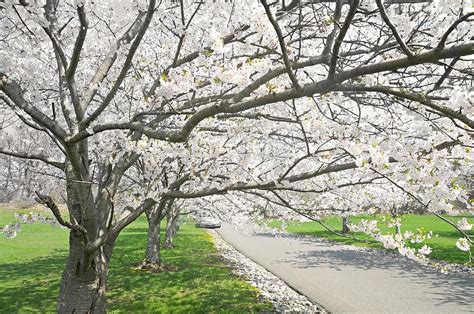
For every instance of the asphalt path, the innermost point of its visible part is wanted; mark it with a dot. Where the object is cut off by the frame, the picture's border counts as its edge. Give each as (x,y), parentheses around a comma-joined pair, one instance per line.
(346,279)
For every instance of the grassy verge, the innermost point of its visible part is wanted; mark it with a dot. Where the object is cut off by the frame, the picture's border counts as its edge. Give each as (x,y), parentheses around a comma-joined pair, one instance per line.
(31,266)
(443,243)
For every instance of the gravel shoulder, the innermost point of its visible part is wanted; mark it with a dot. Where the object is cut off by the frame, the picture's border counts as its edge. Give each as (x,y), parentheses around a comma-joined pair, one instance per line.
(272,288)
(348,279)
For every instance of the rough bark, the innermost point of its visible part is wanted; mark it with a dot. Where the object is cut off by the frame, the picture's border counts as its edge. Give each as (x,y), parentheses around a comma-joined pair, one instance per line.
(154,216)
(83,288)
(84,281)
(174,228)
(153,246)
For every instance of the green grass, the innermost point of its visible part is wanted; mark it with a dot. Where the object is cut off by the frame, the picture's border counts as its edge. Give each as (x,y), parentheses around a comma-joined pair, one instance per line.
(31,266)
(444,245)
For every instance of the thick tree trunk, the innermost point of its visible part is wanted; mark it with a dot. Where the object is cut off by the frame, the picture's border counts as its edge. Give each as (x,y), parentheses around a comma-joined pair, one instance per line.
(153,246)
(84,281)
(83,287)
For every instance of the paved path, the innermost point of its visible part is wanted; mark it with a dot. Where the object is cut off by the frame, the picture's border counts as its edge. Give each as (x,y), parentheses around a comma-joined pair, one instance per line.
(344,279)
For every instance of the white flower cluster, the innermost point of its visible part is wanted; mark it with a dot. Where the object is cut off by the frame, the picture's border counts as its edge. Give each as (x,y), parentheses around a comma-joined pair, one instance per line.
(397,241)
(11,231)
(366,226)
(394,222)
(464,225)
(463,244)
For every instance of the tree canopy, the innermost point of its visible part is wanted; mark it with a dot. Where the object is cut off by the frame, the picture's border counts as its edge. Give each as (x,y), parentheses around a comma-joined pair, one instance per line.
(245,107)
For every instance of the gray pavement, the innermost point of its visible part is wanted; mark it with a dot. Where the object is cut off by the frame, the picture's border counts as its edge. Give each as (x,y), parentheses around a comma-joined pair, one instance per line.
(345,279)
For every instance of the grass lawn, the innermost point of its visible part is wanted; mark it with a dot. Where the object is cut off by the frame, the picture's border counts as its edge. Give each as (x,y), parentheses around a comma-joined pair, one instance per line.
(444,245)
(31,266)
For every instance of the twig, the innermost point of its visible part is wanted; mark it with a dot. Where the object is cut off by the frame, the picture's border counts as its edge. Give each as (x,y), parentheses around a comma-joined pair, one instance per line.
(316,220)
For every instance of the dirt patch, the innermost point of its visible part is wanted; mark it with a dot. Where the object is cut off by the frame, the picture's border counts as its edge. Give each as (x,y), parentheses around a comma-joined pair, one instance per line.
(155,268)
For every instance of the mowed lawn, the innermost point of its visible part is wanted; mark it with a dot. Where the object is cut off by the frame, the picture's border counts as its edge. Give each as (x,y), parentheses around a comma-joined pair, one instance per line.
(31,266)
(443,242)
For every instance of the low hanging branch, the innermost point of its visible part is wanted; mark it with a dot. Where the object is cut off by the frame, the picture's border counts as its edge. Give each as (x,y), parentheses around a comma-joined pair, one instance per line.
(412,96)
(465,235)
(319,221)
(49,202)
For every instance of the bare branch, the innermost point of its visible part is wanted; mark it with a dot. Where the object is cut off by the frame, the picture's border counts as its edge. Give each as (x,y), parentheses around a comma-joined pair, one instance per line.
(336,18)
(48,202)
(81,37)
(14,92)
(23,155)
(340,38)
(420,98)
(281,40)
(400,41)
(443,40)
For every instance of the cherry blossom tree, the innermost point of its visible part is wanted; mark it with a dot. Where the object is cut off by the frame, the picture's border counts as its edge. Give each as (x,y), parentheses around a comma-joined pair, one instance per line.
(342,106)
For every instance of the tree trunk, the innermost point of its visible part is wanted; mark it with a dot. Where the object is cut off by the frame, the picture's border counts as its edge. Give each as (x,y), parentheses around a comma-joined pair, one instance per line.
(153,246)
(170,231)
(84,281)
(394,217)
(83,287)
(397,229)
(174,228)
(345,222)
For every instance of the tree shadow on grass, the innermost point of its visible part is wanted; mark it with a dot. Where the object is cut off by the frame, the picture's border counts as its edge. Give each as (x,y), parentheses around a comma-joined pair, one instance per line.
(201,285)
(32,285)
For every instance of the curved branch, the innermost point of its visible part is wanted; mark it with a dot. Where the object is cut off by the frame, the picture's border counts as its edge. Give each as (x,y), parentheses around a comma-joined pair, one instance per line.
(48,202)
(420,98)
(24,155)
(274,185)
(324,86)
(336,18)
(443,40)
(81,37)
(14,92)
